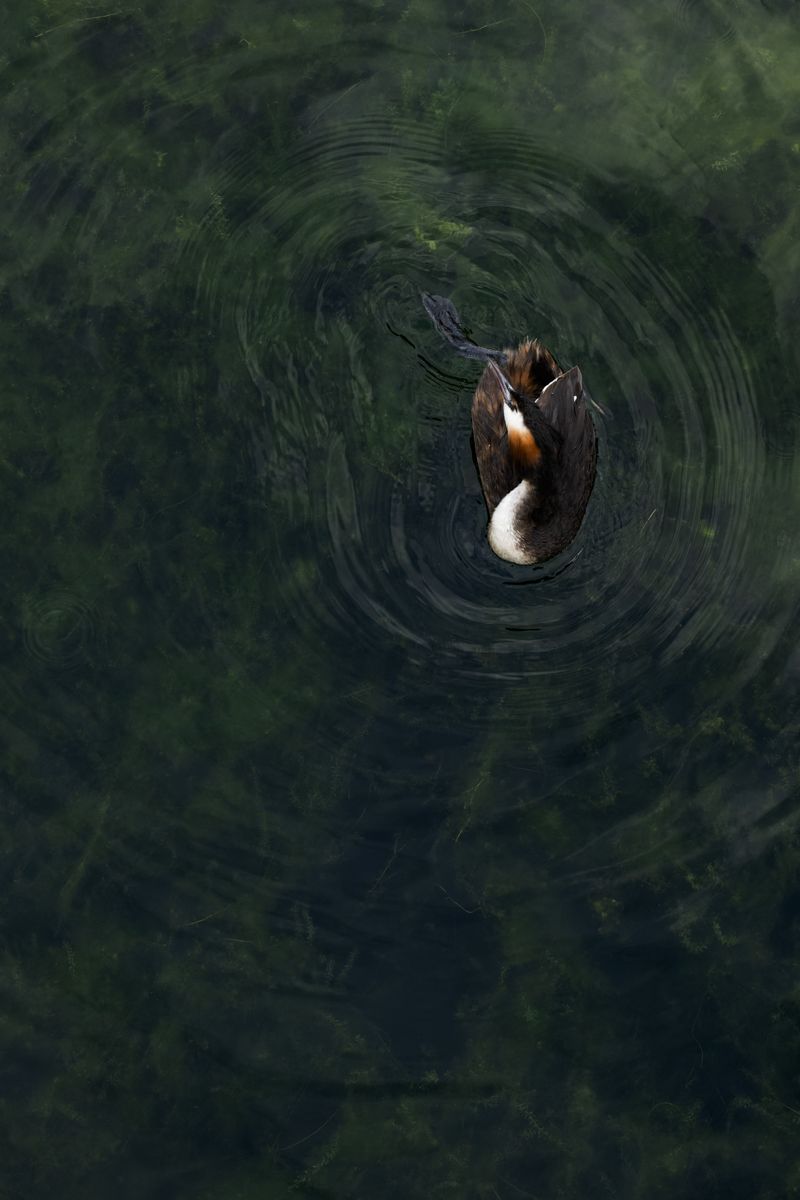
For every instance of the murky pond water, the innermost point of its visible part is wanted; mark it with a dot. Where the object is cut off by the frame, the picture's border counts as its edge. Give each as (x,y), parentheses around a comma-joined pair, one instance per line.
(342,859)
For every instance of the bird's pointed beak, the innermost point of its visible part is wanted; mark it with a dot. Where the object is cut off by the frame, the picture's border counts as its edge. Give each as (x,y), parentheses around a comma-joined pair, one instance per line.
(505,387)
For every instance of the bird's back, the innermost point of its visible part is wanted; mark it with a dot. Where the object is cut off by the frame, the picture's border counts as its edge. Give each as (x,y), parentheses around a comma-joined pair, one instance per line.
(529,368)
(564,404)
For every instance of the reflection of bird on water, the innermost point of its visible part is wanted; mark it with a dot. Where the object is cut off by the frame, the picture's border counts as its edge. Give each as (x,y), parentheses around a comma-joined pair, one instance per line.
(535,442)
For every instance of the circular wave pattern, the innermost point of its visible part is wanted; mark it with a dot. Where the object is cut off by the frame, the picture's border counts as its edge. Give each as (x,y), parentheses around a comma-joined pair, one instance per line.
(363,441)
(58,629)
(369,416)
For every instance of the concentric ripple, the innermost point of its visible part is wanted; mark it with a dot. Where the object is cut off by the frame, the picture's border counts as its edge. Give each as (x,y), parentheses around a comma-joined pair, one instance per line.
(364,435)
(58,628)
(318,813)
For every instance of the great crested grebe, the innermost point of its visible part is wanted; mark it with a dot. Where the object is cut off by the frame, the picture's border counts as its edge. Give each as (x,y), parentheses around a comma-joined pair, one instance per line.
(535,442)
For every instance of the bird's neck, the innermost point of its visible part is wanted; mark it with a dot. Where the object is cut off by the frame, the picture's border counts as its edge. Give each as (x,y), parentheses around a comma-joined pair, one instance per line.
(510,522)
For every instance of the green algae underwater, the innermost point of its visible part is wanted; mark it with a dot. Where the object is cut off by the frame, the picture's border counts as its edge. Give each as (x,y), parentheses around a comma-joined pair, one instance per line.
(341,859)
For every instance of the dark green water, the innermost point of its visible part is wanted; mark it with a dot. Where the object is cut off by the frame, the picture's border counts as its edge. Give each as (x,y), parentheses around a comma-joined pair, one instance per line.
(341,859)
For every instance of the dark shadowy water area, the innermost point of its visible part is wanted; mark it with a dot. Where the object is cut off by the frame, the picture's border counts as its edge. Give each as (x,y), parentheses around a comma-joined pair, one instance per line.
(341,859)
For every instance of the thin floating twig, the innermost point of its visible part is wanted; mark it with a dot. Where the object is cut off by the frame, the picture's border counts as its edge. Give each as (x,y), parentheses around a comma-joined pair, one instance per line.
(83,21)
(319,1128)
(488,25)
(468,911)
(200,920)
(335,100)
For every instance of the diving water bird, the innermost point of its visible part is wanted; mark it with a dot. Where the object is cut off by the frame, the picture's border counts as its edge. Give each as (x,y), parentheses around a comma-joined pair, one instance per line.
(534,440)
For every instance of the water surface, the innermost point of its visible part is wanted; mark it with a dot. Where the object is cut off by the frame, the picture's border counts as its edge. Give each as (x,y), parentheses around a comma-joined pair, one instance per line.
(342,859)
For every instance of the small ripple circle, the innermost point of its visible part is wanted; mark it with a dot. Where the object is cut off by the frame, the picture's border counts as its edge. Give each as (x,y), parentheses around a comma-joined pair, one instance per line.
(58,628)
